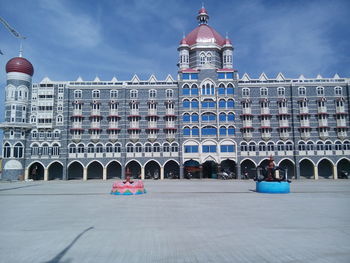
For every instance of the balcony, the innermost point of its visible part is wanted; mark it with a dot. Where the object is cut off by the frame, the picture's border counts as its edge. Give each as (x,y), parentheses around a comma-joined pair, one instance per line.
(152,112)
(95,125)
(265,123)
(77,113)
(170,137)
(95,112)
(152,137)
(247,135)
(305,135)
(247,123)
(170,111)
(323,123)
(284,135)
(76,125)
(284,123)
(322,109)
(134,125)
(113,137)
(265,111)
(305,123)
(134,137)
(95,137)
(283,110)
(170,124)
(247,111)
(303,110)
(113,113)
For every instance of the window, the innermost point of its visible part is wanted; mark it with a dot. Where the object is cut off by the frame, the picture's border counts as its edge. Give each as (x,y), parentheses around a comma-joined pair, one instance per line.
(251,147)
(209,148)
(245,92)
(221,75)
(152,93)
(169,93)
(320,91)
(191,149)
(208,89)
(281,91)
(186,117)
(133,94)
(195,117)
(208,130)
(186,131)
(194,89)
(230,104)
(91,148)
(186,104)
(289,146)
(7,150)
(156,148)
(95,94)
(338,91)
(166,147)
(99,148)
(222,104)
(55,150)
(222,117)
(263,92)
(222,89)
(109,147)
(78,94)
(270,146)
(114,94)
(195,131)
(129,148)
(231,130)
(35,149)
(148,148)
(34,134)
(262,147)
(230,90)
(202,58)
(194,104)
(207,117)
(223,131)
(302,91)
(174,148)
(138,148)
(338,146)
(230,117)
(346,145)
(59,119)
(45,149)
(207,103)
(227,148)
(244,147)
(320,146)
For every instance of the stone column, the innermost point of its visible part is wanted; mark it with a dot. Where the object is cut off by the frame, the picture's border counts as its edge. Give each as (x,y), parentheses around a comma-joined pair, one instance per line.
(181,171)
(46,174)
(161,173)
(142,173)
(200,172)
(104,176)
(85,174)
(335,172)
(277,174)
(238,171)
(315,172)
(218,171)
(26,174)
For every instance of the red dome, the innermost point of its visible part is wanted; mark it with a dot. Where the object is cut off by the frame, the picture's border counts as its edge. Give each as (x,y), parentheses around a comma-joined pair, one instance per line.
(202,10)
(21,65)
(204,34)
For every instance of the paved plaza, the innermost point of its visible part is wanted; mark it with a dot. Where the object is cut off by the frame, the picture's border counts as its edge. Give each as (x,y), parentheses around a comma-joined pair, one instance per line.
(176,221)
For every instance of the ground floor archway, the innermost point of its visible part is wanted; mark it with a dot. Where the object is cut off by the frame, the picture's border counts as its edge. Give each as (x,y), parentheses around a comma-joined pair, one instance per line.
(134,168)
(210,170)
(192,168)
(249,167)
(114,170)
(288,167)
(229,166)
(306,169)
(152,170)
(75,171)
(36,171)
(171,170)
(95,171)
(343,167)
(325,169)
(55,171)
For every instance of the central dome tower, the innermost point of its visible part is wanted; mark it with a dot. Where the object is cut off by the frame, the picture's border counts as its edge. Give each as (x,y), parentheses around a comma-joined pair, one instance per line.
(204,47)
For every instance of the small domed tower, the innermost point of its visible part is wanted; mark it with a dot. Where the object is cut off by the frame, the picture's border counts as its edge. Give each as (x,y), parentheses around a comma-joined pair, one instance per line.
(204,47)
(15,126)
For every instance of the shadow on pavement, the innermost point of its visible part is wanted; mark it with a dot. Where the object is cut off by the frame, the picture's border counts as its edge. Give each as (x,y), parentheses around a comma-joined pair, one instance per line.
(59,256)
(18,187)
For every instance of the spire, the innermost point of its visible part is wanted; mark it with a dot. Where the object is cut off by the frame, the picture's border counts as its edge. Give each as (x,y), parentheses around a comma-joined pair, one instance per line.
(20,50)
(203,16)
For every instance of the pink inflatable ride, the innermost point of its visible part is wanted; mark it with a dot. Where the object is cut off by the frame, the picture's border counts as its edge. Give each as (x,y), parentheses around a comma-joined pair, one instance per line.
(128,187)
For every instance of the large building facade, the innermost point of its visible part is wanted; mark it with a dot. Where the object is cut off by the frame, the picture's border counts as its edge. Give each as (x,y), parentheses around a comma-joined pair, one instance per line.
(207,120)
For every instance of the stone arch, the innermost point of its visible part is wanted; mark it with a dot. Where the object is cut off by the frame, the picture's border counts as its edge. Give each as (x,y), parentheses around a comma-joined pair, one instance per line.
(75,170)
(55,170)
(171,169)
(134,167)
(36,171)
(306,168)
(152,168)
(193,167)
(228,166)
(288,167)
(343,167)
(114,170)
(325,168)
(95,170)
(248,166)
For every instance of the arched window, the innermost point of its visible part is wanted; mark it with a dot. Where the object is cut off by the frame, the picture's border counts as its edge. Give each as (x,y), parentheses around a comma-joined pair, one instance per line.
(346,145)
(202,58)
(117,148)
(338,146)
(230,116)
(208,89)
(186,104)
(223,131)
(186,131)
(72,148)
(186,117)
(109,147)
(95,94)
(338,91)
(262,147)
(174,147)
(263,92)
(18,150)
(156,148)
(99,148)
(81,148)
(195,117)
(152,93)
(34,134)
(244,147)
(209,57)
(281,92)
(194,104)
(166,147)
(289,146)
(55,150)
(222,89)
(301,91)
(231,130)
(35,149)
(59,119)
(251,147)
(222,103)
(208,117)
(320,91)
(91,148)
(113,94)
(195,131)
(320,146)
(270,146)
(208,103)
(138,148)
(7,150)
(222,117)
(130,148)
(133,94)
(230,90)
(245,92)
(301,146)
(310,146)
(148,147)
(45,149)
(328,146)
(280,146)
(194,89)
(185,90)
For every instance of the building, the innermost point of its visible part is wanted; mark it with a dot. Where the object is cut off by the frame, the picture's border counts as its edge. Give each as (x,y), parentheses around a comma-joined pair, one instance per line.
(207,120)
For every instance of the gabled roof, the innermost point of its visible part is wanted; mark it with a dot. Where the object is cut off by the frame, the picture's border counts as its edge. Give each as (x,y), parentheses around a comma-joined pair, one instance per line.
(79,79)
(280,77)
(245,77)
(114,79)
(97,79)
(135,79)
(152,79)
(169,79)
(45,80)
(263,77)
